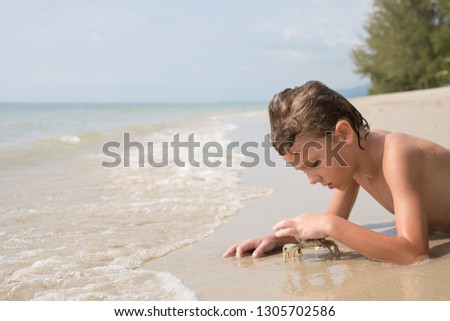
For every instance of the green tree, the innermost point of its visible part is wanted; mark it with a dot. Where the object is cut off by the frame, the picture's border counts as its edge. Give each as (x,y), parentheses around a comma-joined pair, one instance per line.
(407,45)
(441,41)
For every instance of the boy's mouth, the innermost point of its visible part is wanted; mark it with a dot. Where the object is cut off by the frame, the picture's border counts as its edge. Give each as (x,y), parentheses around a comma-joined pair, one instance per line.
(330,186)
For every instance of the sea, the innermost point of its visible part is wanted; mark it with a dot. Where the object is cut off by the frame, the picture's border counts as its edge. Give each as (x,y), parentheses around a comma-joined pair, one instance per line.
(90,192)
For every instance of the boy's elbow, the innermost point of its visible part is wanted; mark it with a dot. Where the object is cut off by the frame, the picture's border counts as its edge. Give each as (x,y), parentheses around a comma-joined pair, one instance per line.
(415,259)
(415,256)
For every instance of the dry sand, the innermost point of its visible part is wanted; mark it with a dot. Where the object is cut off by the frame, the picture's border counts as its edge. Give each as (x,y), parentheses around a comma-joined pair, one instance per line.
(423,113)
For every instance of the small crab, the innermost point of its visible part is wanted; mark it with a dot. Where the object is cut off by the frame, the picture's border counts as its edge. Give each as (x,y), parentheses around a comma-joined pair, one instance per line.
(291,250)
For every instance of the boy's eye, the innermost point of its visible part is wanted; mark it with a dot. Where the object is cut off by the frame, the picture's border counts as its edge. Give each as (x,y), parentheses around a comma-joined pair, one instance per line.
(314,164)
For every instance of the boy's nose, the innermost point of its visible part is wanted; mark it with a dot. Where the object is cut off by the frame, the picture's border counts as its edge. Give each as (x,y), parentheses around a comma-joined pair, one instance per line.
(313,179)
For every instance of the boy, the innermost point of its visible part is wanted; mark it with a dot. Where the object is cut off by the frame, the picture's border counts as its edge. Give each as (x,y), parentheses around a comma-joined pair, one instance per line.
(321,133)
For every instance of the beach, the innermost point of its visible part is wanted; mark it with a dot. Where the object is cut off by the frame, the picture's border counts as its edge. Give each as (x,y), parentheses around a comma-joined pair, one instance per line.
(76,227)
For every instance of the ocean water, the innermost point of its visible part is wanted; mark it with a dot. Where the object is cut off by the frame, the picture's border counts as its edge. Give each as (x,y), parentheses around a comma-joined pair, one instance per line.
(79,220)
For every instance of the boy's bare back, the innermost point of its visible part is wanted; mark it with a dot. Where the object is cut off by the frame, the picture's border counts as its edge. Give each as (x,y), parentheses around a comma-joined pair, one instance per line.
(426,162)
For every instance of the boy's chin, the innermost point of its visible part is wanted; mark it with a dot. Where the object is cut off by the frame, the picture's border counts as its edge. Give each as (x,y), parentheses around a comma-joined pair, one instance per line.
(341,187)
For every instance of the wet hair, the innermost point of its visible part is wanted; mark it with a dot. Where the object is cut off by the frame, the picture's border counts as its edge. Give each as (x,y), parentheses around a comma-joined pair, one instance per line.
(310,110)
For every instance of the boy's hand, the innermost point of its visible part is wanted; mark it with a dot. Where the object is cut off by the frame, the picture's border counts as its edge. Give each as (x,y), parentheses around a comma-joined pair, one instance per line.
(303,227)
(260,245)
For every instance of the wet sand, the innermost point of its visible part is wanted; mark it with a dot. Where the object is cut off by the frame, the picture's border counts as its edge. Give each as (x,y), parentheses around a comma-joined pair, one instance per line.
(317,277)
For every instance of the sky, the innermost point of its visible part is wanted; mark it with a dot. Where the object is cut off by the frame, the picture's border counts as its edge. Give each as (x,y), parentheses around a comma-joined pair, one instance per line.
(175,50)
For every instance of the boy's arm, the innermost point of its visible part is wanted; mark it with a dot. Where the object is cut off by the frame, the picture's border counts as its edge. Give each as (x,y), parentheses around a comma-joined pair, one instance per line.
(408,247)
(401,167)
(375,245)
(342,202)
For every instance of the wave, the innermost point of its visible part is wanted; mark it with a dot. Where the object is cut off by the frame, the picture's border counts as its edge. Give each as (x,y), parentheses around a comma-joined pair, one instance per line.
(73,278)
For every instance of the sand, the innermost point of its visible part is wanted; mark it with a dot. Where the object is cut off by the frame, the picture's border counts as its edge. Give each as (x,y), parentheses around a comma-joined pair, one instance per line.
(200,266)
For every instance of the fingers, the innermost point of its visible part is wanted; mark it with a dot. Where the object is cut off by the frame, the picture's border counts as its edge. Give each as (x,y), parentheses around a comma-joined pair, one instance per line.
(287,228)
(280,225)
(305,226)
(231,251)
(262,249)
(283,225)
(286,232)
(239,249)
(259,246)
(245,247)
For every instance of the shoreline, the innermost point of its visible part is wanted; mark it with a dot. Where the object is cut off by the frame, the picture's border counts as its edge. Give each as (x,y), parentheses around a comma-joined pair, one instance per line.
(201,268)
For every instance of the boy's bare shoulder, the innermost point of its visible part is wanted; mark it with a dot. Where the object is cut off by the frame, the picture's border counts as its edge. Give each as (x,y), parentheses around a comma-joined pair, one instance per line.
(403,142)
(408,150)
(399,144)
(399,149)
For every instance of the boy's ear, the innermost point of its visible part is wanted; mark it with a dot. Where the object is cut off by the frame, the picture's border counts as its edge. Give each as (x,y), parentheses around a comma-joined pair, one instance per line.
(344,130)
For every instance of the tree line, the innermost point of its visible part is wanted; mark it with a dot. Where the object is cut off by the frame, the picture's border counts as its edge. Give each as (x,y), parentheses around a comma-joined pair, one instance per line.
(407,45)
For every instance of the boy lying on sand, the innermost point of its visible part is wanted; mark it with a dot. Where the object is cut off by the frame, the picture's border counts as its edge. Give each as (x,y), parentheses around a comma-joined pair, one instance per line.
(321,133)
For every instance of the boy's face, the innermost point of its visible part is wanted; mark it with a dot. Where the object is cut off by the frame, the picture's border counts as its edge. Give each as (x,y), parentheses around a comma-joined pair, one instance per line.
(324,160)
